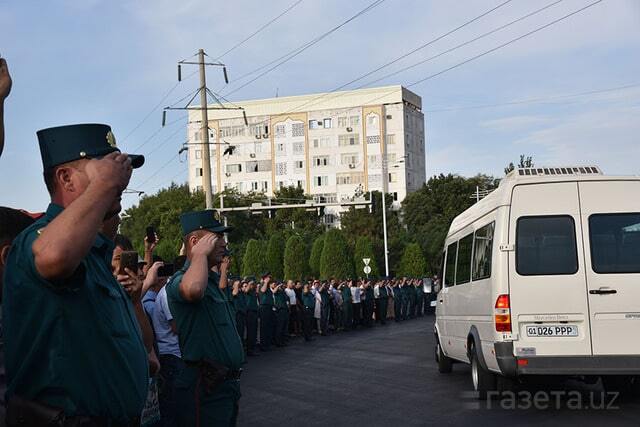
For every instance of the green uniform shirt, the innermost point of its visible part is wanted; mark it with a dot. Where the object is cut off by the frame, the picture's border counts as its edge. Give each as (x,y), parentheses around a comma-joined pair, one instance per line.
(206,328)
(266,298)
(252,300)
(346,294)
(369,293)
(382,292)
(309,300)
(280,299)
(74,344)
(240,302)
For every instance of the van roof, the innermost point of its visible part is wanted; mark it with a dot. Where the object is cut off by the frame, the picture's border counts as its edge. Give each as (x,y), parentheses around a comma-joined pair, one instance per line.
(501,196)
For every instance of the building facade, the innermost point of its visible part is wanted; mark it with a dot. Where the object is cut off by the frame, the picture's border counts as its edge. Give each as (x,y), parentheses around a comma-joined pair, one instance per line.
(333,145)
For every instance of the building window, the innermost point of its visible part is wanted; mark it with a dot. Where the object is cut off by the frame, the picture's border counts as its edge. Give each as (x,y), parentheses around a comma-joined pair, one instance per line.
(392,177)
(281,148)
(390,139)
(280,131)
(297,129)
(373,139)
(321,161)
(198,154)
(395,196)
(348,139)
(349,178)
(254,186)
(298,148)
(321,181)
(281,168)
(322,142)
(235,168)
(327,123)
(313,124)
(198,171)
(372,120)
(300,183)
(342,122)
(374,161)
(196,136)
(349,159)
(299,164)
(354,121)
(265,186)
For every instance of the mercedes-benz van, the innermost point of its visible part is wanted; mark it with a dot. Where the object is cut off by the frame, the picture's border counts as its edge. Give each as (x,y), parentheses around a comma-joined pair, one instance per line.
(542,277)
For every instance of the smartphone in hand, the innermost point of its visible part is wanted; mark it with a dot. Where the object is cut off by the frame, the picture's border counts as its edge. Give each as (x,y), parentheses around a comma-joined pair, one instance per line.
(128,259)
(151,234)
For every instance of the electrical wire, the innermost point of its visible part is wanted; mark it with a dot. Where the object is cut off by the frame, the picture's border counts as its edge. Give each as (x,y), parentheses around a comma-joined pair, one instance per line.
(252,35)
(146,141)
(289,56)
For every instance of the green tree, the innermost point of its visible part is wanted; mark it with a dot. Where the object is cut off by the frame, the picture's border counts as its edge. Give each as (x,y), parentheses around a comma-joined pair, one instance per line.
(316,254)
(294,262)
(364,249)
(162,210)
(525,162)
(253,263)
(275,255)
(412,263)
(335,260)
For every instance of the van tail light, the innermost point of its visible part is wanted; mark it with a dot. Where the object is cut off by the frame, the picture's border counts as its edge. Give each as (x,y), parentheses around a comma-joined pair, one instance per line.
(502,314)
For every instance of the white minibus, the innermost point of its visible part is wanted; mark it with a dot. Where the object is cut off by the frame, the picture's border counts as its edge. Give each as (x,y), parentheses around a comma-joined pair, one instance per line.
(542,277)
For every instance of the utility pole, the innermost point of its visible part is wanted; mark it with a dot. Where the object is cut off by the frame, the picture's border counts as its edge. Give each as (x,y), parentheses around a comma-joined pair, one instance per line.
(206,153)
(385,177)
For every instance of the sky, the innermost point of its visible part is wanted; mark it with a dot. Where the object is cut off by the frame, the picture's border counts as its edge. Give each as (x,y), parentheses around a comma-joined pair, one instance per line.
(113,62)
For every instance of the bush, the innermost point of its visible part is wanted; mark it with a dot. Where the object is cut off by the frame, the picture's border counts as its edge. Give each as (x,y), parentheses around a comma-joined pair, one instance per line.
(275,255)
(413,263)
(316,254)
(253,262)
(335,260)
(294,260)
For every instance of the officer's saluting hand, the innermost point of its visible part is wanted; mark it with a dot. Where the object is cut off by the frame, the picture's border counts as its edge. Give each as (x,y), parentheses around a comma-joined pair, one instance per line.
(61,300)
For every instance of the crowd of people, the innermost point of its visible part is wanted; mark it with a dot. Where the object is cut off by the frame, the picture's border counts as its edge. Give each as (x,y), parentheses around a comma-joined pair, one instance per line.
(94,335)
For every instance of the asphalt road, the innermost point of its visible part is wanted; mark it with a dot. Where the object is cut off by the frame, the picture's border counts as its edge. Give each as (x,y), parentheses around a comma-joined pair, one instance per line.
(386,376)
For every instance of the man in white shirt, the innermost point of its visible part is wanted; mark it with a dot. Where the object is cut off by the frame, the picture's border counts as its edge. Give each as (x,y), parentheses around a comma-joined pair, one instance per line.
(355,302)
(294,313)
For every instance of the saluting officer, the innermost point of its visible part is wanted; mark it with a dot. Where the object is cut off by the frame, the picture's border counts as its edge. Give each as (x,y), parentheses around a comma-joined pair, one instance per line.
(267,313)
(209,386)
(73,347)
(252,316)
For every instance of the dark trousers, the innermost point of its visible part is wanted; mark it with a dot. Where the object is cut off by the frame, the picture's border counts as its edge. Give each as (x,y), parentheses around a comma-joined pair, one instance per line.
(252,330)
(420,304)
(294,319)
(347,315)
(412,308)
(307,322)
(241,324)
(404,308)
(367,311)
(337,317)
(357,314)
(397,303)
(324,318)
(200,408)
(266,326)
(170,368)
(381,310)
(282,315)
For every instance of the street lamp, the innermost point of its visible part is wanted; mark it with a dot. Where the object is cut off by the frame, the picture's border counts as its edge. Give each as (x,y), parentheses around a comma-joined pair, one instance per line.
(385,184)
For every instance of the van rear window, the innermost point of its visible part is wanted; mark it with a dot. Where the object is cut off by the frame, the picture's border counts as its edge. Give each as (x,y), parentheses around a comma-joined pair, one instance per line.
(615,243)
(450,267)
(546,245)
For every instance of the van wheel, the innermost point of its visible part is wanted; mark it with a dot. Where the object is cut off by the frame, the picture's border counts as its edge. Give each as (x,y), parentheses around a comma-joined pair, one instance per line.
(445,364)
(483,380)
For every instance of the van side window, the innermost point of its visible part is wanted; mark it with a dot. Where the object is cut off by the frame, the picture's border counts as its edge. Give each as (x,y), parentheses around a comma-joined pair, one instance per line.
(615,243)
(482,252)
(463,267)
(450,268)
(546,245)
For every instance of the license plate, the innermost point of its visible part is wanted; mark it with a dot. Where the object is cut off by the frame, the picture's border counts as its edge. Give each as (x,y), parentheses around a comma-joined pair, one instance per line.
(552,331)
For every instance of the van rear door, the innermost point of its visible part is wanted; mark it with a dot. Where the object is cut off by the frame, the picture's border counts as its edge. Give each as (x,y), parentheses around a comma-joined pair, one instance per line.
(611,229)
(547,286)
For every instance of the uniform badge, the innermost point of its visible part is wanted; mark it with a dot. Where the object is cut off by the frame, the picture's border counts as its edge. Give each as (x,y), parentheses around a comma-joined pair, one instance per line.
(111,139)
(39,231)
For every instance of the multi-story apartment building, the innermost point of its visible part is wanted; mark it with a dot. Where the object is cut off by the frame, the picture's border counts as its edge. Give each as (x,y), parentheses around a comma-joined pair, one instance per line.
(333,145)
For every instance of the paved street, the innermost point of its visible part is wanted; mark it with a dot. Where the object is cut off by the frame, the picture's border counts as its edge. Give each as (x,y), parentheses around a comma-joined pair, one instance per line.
(385,376)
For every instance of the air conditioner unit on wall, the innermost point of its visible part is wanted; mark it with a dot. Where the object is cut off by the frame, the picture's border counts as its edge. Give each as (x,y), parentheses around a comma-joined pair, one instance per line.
(352,166)
(349,129)
(252,155)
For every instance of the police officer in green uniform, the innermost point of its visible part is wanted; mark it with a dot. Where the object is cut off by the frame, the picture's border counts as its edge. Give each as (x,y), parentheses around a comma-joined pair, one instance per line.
(240,299)
(347,309)
(383,301)
(73,347)
(252,316)
(308,307)
(267,313)
(282,314)
(209,387)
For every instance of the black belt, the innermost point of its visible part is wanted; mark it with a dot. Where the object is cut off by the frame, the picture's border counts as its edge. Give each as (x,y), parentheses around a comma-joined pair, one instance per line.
(232,374)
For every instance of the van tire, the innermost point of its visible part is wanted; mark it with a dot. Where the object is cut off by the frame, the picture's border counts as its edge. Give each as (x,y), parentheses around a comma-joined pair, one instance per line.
(483,381)
(445,364)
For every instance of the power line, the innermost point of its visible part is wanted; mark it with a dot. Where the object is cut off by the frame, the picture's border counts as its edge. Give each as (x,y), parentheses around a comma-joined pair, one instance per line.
(292,54)
(495,30)
(146,141)
(540,100)
(141,185)
(157,147)
(237,45)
